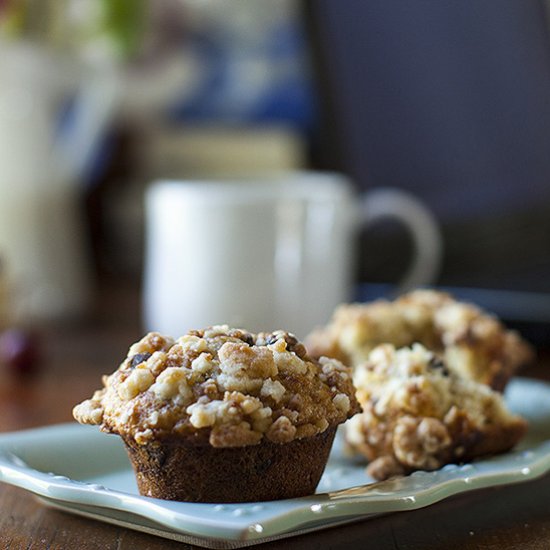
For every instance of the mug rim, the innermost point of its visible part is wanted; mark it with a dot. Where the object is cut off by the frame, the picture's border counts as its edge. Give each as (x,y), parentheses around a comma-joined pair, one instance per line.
(316,185)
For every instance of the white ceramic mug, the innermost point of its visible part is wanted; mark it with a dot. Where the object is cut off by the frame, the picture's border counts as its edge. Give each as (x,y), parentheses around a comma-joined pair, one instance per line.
(266,253)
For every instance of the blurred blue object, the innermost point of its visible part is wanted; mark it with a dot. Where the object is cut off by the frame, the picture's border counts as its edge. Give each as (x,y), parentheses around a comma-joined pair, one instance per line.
(251,73)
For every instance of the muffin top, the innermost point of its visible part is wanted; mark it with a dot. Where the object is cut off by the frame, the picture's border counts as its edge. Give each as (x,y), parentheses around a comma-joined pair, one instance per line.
(222,386)
(473,342)
(415,381)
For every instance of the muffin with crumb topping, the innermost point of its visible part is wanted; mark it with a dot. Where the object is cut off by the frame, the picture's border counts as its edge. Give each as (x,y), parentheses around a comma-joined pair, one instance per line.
(473,343)
(419,415)
(223,415)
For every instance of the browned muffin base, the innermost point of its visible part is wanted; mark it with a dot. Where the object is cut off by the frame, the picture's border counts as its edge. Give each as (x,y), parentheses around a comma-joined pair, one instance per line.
(467,443)
(201,473)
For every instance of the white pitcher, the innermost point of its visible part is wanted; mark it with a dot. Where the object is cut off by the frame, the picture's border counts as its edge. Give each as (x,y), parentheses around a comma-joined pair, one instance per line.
(44,146)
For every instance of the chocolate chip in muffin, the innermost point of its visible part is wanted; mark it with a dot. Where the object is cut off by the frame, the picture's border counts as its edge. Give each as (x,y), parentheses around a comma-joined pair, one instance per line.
(292,343)
(138,359)
(437,364)
(246,337)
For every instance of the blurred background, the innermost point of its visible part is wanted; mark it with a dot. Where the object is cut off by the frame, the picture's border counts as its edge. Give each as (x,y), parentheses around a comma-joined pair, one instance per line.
(449,101)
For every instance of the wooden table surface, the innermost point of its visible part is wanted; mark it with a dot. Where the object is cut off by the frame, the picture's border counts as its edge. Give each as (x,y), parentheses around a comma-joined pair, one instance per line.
(74,357)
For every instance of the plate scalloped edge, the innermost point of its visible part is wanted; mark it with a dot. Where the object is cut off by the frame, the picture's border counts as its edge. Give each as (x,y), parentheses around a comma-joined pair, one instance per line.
(234,525)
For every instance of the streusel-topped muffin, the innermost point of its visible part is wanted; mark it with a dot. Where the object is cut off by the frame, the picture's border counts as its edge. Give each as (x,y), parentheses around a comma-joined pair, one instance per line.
(418,415)
(224,415)
(472,342)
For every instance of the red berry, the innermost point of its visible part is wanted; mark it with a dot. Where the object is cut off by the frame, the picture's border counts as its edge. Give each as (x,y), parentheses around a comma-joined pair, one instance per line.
(18,350)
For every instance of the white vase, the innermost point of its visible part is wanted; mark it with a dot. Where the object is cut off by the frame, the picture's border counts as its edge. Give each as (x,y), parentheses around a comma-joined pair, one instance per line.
(41,240)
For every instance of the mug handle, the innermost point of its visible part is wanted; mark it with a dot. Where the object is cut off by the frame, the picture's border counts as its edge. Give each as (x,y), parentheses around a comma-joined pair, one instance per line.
(388,202)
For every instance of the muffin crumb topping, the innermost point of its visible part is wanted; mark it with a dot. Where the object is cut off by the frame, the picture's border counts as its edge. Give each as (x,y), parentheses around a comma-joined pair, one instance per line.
(472,342)
(418,416)
(224,386)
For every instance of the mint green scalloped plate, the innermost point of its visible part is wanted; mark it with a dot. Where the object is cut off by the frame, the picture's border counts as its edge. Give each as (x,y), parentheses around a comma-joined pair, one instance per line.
(83,471)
